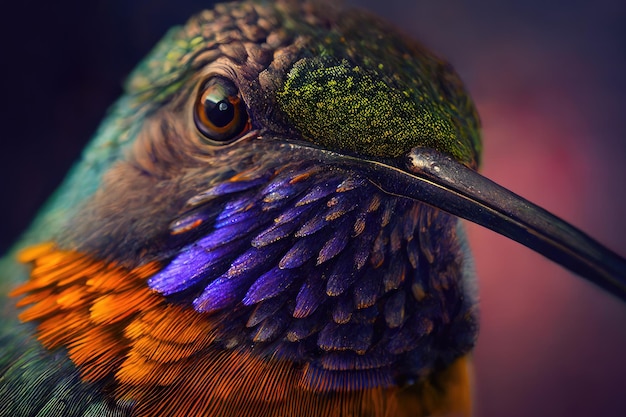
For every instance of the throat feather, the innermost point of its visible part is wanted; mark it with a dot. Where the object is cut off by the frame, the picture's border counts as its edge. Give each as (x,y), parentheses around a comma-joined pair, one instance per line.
(170,360)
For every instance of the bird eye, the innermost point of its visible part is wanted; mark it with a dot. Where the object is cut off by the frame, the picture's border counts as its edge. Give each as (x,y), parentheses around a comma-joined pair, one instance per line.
(220,113)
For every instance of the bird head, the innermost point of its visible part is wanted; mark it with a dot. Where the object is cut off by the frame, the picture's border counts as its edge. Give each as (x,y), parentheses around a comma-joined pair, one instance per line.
(296,175)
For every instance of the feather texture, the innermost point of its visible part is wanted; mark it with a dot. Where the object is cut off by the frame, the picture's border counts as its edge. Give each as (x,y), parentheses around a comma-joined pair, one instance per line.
(260,277)
(160,350)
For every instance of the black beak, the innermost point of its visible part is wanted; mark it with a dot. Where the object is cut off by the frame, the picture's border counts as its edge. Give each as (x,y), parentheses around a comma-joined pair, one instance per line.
(436,179)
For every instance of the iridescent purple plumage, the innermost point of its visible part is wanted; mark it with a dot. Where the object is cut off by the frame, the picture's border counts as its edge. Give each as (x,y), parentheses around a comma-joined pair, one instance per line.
(325,269)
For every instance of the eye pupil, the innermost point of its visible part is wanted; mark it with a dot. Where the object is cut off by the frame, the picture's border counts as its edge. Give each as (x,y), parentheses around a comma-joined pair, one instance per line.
(220,114)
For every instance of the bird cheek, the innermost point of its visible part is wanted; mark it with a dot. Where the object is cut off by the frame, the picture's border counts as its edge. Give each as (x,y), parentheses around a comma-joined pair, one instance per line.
(162,146)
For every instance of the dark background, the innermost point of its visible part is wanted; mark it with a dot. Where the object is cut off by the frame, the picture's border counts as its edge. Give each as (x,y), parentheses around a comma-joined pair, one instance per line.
(548,79)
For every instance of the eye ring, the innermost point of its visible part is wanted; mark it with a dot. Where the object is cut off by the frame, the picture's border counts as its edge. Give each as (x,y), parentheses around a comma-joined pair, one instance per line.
(219,112)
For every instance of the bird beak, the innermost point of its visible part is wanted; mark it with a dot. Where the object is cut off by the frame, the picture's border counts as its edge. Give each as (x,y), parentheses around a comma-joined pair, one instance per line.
(438,180)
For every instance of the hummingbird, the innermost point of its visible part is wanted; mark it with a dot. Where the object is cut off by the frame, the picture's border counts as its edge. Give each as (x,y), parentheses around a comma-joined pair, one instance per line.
(268,223)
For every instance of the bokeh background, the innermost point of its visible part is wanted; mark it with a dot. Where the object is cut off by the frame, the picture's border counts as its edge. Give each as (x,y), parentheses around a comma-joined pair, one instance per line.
(548,79)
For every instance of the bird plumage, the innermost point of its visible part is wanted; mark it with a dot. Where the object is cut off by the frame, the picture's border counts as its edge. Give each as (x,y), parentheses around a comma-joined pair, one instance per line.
(228,244)
(234,278)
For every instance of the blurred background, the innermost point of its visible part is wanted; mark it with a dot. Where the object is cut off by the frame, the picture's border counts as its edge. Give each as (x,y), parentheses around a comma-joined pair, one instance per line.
(548,79)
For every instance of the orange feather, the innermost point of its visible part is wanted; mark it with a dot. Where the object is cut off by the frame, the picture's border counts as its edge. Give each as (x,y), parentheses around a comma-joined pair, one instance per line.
(164,357)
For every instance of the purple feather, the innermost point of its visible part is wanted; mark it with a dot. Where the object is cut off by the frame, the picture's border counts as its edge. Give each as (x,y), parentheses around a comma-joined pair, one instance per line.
(379,249)
(395,274)
(293,213)
(350,184)
(367,289)
(305,327)
(364,244)
(367,315)
(228,187)
(394,309)
(342,276)
(344,306)
(264,309)
(302,251)
(412,251)
(311,295)
(335,244)
(193,265)
(409,336)
(411,221)
(312,226)
(356,337)
(273,234)
(237,218)
(235,206)
(318,192)
(228,233)
(254,258)
(284,192)
(269,285)
(339,205)
(219,294)
(270,328)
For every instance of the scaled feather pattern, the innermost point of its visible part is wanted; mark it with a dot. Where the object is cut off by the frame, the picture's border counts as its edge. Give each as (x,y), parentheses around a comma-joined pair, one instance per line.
(264,275)
(320,265)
